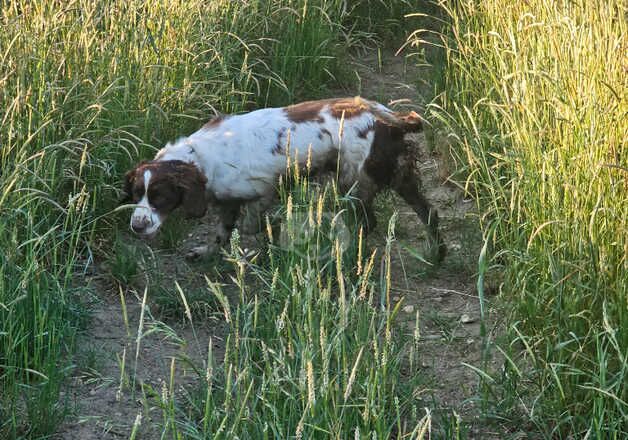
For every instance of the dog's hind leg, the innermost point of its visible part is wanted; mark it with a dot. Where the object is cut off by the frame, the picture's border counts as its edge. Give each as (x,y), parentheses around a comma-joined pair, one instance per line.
(407,184)
(366,192)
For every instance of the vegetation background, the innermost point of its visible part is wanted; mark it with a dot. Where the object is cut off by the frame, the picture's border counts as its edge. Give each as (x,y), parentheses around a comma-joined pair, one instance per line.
(528,99)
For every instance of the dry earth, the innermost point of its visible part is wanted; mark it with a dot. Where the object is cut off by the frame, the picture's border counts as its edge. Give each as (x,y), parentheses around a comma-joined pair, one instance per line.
(106,403)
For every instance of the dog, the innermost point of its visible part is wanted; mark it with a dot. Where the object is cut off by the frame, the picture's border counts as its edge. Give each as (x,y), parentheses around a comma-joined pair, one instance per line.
(235,160)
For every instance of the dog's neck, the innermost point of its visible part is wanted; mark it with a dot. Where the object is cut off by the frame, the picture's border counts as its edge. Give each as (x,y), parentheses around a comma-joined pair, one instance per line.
(183,149)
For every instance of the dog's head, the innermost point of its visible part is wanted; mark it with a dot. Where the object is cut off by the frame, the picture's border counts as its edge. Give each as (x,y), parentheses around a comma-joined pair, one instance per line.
(158,188)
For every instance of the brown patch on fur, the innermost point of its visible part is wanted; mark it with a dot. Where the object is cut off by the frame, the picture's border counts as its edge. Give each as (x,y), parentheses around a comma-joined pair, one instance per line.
(133,185)
(391,163)
(127,191)
(278,149)
(388,145)
(173,183)
(349,107)
(309,111)
(214,122)
(193,185)
(411,121)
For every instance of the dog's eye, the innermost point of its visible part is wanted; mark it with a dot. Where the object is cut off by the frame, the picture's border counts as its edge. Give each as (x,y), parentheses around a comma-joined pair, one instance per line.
(137,194)
(158,201)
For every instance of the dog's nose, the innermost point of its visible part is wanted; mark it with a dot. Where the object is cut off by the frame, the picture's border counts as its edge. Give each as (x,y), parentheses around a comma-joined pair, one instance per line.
(139,226)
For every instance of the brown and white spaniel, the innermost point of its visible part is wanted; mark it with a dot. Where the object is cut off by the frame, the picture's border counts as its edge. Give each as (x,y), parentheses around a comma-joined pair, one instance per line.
(237,159)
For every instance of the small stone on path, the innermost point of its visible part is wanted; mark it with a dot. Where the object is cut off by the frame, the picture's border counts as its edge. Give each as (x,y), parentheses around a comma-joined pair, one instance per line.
(466,319)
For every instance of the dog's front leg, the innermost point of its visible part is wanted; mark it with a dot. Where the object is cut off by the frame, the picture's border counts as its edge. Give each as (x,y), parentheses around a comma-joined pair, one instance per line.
(254,220)
(228,212)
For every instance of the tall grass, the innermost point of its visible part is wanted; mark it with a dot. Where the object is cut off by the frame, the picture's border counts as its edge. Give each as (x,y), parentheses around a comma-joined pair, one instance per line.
(535,93)
(312,349)
(388,19)
(88,87)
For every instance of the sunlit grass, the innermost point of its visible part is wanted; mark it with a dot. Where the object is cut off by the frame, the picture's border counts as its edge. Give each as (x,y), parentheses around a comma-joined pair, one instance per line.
(312,348)
(87,88)
(535,96)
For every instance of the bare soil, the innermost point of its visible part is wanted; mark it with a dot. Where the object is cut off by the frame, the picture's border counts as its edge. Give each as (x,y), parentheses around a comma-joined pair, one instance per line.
(106,403)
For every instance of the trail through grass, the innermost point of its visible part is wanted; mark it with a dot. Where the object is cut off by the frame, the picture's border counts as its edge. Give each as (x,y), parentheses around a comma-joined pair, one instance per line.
(437,379)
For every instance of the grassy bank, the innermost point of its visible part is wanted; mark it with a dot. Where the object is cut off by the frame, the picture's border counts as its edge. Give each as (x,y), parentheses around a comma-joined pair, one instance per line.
(535,94)
(88,87)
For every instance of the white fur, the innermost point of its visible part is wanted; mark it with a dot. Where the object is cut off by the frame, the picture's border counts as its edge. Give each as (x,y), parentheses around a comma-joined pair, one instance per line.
(236,154)
(144,214)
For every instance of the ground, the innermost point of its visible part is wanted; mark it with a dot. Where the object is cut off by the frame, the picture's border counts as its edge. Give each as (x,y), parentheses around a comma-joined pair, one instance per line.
(445,297)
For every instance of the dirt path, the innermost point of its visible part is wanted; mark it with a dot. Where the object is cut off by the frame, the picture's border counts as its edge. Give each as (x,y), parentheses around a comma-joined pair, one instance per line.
(446,297)
(107,403)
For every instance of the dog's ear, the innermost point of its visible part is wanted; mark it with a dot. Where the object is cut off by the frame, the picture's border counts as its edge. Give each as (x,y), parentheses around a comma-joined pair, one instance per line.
(127,190)
(192,182)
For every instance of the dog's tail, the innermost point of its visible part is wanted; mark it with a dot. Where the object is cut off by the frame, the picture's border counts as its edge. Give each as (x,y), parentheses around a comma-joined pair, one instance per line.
(407,121)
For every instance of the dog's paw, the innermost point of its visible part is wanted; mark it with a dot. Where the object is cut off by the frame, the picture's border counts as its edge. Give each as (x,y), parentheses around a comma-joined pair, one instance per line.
(197,252)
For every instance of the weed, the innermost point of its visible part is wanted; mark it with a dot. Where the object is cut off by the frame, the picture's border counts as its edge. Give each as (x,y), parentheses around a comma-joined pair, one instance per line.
(124,262)
(307,353)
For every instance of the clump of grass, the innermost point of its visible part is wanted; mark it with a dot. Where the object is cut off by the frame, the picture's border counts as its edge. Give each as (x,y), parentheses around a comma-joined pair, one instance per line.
(534,94)
(166,297)
(124,262)
(385,19)
(312,348)
(173,233)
